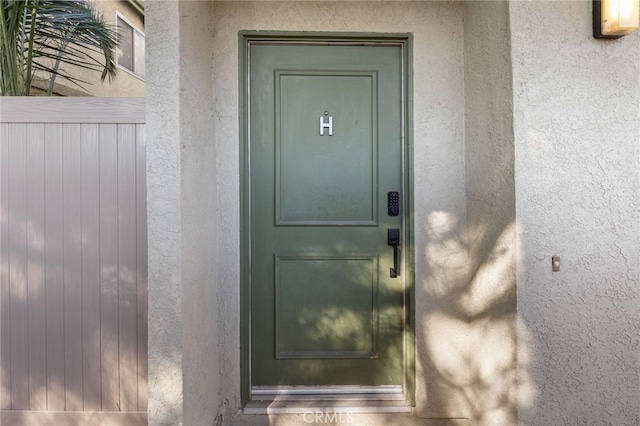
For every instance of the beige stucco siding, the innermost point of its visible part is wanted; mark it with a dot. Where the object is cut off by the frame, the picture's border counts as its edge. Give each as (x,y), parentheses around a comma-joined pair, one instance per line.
(438,131)
(577,160)
(525,146)
(439,174)
(125,84)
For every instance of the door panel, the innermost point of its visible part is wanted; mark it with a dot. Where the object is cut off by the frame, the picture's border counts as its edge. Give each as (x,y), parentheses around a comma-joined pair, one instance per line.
(325,148)
(314,326)
(306,190)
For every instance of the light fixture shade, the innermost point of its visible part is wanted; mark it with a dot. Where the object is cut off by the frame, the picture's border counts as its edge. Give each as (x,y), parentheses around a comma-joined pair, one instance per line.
(615,18)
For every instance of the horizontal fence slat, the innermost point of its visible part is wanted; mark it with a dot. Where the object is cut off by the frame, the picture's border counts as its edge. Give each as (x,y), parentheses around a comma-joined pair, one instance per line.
(41,109)
(53,418)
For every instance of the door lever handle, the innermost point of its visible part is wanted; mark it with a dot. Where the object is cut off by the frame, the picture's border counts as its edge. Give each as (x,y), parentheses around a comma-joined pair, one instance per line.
(393,239)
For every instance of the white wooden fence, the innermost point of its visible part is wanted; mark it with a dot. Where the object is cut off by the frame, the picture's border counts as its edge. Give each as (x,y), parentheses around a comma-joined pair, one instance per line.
(73,261)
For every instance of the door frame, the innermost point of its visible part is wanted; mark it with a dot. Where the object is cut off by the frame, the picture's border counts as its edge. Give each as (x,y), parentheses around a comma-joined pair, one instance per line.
(405,41)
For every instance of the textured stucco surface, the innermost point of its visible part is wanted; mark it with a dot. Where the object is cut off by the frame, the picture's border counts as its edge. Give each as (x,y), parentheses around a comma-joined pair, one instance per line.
(164,216)
(199,203)
(125,84)
(183,342)
(577,166)
(525,137)
(438,148)
(490,379)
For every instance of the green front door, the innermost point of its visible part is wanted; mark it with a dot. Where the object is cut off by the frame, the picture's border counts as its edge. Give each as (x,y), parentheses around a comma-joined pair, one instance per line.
(325,149)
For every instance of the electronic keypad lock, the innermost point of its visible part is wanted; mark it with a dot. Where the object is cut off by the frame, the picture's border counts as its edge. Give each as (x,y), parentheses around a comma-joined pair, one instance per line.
(393,203)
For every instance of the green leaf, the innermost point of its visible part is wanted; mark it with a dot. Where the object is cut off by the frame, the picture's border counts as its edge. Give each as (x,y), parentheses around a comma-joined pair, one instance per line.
(37,36)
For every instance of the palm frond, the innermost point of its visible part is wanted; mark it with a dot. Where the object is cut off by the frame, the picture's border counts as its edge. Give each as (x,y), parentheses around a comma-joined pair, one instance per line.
(37,36)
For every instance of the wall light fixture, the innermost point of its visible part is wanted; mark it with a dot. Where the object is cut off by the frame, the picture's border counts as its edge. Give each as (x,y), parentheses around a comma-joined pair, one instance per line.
(615,18)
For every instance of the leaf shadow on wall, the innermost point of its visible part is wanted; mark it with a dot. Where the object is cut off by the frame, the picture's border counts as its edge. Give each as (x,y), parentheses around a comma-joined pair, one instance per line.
(73,286)
(469,340)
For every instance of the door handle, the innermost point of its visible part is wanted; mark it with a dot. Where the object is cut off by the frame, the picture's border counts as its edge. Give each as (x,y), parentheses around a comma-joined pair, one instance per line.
(393,239)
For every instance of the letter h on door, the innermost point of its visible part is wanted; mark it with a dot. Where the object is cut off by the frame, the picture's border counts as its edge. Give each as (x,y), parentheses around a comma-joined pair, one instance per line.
(326,125)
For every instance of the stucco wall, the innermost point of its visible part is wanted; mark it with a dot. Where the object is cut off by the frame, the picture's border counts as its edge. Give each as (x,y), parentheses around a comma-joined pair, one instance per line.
(125,84)
(183,195)
(438,149)
(200,189)
(164,216)
(182,281)
(497,88)
(490,308)
(577,165)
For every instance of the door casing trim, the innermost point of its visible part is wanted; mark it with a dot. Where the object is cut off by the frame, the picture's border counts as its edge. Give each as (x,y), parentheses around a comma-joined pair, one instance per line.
(405,41)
